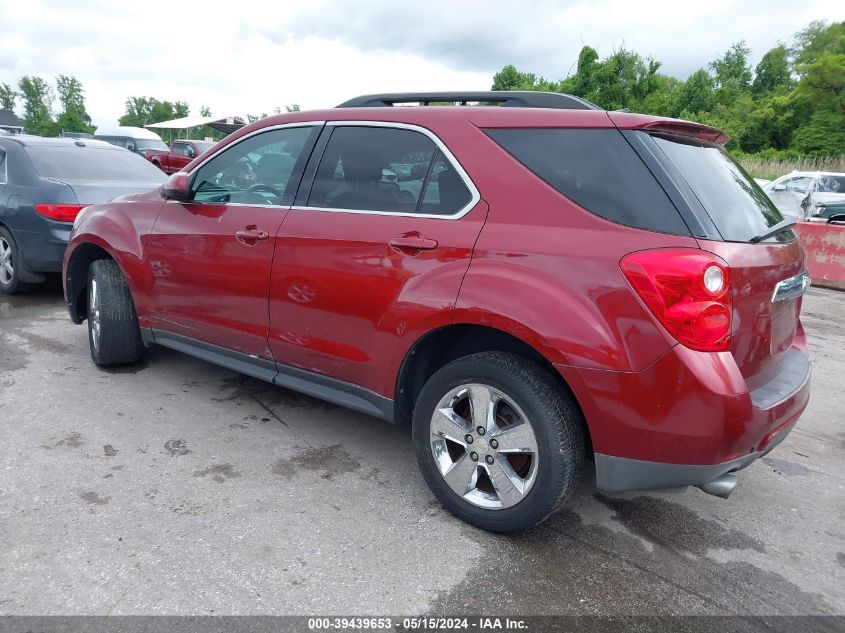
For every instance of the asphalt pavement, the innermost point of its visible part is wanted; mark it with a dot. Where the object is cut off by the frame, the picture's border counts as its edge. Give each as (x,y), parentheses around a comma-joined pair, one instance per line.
(177,487)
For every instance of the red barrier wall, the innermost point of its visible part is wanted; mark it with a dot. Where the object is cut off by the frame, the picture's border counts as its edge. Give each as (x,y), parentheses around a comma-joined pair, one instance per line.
(825,246)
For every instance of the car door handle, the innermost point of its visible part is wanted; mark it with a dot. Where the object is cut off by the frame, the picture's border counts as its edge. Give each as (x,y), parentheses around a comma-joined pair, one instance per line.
(250,235)
(413,243)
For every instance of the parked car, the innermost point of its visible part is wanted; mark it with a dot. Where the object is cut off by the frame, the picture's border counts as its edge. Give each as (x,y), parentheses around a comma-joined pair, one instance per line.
(178,156)
(135,139)
(564,284)
(44,182)
(827,210)
(799,193)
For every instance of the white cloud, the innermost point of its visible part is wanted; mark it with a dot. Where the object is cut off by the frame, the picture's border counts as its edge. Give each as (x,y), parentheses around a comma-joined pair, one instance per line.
(320,53)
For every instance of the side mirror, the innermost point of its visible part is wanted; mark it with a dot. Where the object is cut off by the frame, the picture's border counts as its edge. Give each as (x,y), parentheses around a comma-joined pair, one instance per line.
(779,188)
(176,187)
(836,219)
(130,147)
(191,153)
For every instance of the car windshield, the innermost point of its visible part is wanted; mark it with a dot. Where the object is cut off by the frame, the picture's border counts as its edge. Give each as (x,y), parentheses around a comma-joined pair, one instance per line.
(87,164)
(737,205)
(146,143)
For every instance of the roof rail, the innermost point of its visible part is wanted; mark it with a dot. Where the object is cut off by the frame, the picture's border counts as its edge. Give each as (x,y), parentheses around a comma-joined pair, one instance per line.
(514,99)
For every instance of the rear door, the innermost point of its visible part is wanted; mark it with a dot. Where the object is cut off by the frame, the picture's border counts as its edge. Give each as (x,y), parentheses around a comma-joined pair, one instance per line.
(210,258)
(366,259)
(765,319)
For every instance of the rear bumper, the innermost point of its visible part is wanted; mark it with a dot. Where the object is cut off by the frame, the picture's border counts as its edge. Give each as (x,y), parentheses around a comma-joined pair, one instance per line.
(619,474)
(687,419)
(44,250)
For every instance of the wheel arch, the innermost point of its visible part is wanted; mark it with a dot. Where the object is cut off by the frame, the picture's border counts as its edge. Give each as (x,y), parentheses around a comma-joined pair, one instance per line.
(448,343)
(76,277)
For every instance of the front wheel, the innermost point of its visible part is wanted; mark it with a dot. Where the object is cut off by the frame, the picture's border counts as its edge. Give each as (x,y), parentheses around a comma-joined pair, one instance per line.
(113,332)
(498,441)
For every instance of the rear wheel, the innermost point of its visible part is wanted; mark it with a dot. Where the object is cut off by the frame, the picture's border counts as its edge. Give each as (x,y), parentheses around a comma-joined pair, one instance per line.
(10,282)
(113,332)
(499,442)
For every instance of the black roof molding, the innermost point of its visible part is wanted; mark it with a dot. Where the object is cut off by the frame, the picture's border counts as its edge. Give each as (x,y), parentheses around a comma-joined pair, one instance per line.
(506,98)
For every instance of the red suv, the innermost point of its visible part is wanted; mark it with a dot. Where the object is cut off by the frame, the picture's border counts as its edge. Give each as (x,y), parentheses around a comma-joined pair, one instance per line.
(532,285)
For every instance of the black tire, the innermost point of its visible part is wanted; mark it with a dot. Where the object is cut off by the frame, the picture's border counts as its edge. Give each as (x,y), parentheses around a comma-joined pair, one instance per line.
(12,285)
(111,308)
(554,417)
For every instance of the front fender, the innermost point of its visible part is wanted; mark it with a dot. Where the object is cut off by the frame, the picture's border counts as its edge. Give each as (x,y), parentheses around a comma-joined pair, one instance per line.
(119,229)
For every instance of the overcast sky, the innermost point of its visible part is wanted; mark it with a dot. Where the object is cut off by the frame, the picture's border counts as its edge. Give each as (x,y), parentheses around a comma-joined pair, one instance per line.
(239,57)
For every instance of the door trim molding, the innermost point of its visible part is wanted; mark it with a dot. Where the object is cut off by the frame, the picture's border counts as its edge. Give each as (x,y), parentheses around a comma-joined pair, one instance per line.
(310,383)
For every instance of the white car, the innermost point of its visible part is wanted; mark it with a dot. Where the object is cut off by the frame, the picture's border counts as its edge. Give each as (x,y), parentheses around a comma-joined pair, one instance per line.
(798,193)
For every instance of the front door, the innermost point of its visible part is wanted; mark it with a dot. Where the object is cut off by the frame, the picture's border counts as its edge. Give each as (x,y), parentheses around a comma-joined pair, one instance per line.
(210,257)
(373,255)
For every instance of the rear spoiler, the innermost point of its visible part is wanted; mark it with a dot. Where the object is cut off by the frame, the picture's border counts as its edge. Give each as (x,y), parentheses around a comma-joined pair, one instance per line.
(627,121)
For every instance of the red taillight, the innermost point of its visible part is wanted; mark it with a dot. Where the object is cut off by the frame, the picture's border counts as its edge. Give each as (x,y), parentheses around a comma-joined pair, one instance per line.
(59,212)
(681,287)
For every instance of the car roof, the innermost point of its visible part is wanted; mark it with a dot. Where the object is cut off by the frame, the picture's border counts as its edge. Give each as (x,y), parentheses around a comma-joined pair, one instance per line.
(128,132)
(29,140)
(811,174)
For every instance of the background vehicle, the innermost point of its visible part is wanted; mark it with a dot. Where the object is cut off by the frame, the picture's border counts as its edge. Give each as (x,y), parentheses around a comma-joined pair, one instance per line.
(178,156)
(561,283)
(799,193)
(135,139)
(44,182)
(826,210)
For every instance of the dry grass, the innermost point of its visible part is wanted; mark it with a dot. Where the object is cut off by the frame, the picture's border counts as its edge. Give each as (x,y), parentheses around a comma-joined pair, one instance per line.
(771,168)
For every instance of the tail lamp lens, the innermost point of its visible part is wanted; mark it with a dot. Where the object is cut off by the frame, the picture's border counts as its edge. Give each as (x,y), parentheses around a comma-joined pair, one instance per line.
(59,212)
(689,293)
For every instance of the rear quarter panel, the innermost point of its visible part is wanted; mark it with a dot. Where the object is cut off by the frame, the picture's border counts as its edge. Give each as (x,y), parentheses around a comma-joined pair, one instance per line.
(547,271)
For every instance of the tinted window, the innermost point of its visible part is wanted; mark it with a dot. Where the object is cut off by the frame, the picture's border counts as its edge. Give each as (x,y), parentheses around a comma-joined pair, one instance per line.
(145,143)
(736,204)
(445,192)
(83,164)
(258,170)
(120,142)
(598,170)
(384,169)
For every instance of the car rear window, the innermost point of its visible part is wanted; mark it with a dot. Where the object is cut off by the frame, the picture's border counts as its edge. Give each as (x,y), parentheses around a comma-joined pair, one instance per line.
(597,169)
(78,164)
(737,205)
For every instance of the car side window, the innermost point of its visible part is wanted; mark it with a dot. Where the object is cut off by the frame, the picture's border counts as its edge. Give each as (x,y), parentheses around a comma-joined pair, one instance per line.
(178,148)
(798,184)
(369,168)
(830,184)
(255,171)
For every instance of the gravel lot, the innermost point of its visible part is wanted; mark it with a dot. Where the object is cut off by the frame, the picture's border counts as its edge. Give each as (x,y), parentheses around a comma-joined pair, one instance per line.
(181,488)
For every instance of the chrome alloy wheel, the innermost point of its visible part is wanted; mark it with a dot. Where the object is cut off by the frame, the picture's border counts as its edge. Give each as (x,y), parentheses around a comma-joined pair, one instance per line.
(484,446)
(94,314)
(7,270)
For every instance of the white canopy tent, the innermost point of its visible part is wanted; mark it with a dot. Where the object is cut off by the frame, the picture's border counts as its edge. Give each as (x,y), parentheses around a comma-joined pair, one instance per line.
(227,125)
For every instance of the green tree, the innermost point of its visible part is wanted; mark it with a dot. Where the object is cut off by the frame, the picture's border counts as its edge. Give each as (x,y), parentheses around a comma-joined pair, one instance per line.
(141,111)
(37,106)
(73,117)
(733,67)
(773,73)
(696,95)
(8,97)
